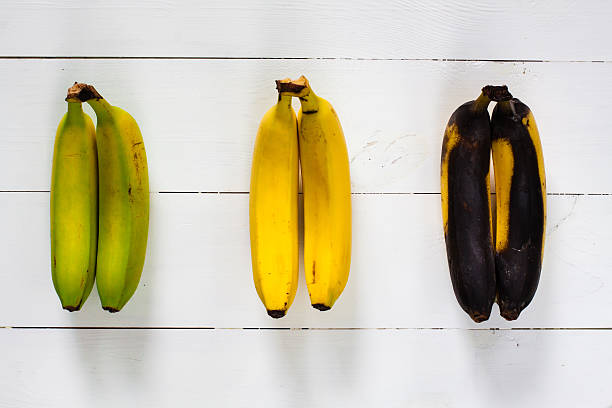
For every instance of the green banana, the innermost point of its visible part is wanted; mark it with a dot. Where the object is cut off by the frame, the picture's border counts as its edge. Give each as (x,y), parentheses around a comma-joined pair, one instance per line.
(74,207)
(124,200)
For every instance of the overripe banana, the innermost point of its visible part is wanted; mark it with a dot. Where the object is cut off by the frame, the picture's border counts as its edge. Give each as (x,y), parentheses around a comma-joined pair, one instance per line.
(74,207)
(326,188)
(273,206)
(520,186)
(123,199)
(466,211)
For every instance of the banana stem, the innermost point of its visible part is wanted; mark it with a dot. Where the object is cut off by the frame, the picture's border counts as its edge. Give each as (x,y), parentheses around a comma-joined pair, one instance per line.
(491,93)
(481,103)
(508,108)
(80,92)
(497,93)
(284,98)
(299,88)
(294,88)
(310,103)
(100,106)
(75,107)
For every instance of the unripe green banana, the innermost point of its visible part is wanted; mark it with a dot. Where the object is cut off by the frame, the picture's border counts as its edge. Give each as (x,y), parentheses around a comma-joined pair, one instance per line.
(74,207)
(124,200)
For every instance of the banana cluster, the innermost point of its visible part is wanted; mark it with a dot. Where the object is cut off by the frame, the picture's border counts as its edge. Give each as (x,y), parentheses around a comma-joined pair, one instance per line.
(314,142)
(99,203)
(490,264)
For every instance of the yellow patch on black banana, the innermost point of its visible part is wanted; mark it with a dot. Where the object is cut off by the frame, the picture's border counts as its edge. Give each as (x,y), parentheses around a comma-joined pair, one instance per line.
(466,210)
(521,205)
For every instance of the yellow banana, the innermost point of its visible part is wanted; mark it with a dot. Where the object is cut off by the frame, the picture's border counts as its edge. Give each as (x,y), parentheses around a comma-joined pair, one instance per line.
(326,187)
(273,207)
(123,198)
(74,207)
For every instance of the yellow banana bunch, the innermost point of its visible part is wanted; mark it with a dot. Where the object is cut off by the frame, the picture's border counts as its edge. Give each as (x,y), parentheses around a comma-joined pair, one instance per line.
(123,199)
(273,207)
(326,188)
(74,207)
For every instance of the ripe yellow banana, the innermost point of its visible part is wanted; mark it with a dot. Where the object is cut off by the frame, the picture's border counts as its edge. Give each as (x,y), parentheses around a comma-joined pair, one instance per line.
(74,207)
(273,206)
(123,198)
(520,184)
(326,187)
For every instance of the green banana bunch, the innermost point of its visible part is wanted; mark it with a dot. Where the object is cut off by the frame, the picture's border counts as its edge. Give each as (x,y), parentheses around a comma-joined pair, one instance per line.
(74,207)
(123,199)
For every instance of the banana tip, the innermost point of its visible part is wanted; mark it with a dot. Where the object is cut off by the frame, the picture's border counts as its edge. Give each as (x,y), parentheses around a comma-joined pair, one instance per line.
(510,314)
(479,317)
(321,307)
(276,314)
(72,308)
(110,309)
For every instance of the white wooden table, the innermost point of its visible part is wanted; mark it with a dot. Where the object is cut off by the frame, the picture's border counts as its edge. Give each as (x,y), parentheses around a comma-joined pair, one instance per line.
(198,76)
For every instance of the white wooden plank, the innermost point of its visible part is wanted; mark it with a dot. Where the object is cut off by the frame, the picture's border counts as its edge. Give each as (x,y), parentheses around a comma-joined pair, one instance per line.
(198,271)
(304,368)
(358,29)
(199,118)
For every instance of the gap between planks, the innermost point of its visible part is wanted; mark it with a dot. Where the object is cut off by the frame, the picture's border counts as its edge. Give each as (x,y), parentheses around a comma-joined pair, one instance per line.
(310,328)
(353,193)
(101,57)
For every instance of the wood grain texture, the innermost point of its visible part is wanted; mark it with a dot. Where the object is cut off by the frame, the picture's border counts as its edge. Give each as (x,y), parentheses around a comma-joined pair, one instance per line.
(304,368)
(198,268)
(198,76)
(356,29)
(199,118)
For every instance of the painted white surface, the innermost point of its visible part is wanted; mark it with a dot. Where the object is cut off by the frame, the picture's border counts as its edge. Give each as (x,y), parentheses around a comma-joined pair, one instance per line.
(522,29)
(305,368)
(199,118)
(198,268)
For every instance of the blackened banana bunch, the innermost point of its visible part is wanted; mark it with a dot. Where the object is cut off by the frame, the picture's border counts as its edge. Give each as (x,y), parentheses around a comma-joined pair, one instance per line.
(485,263)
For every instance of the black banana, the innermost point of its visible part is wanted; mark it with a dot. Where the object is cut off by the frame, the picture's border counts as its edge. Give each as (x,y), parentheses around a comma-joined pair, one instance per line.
(466,209)
(520,186)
